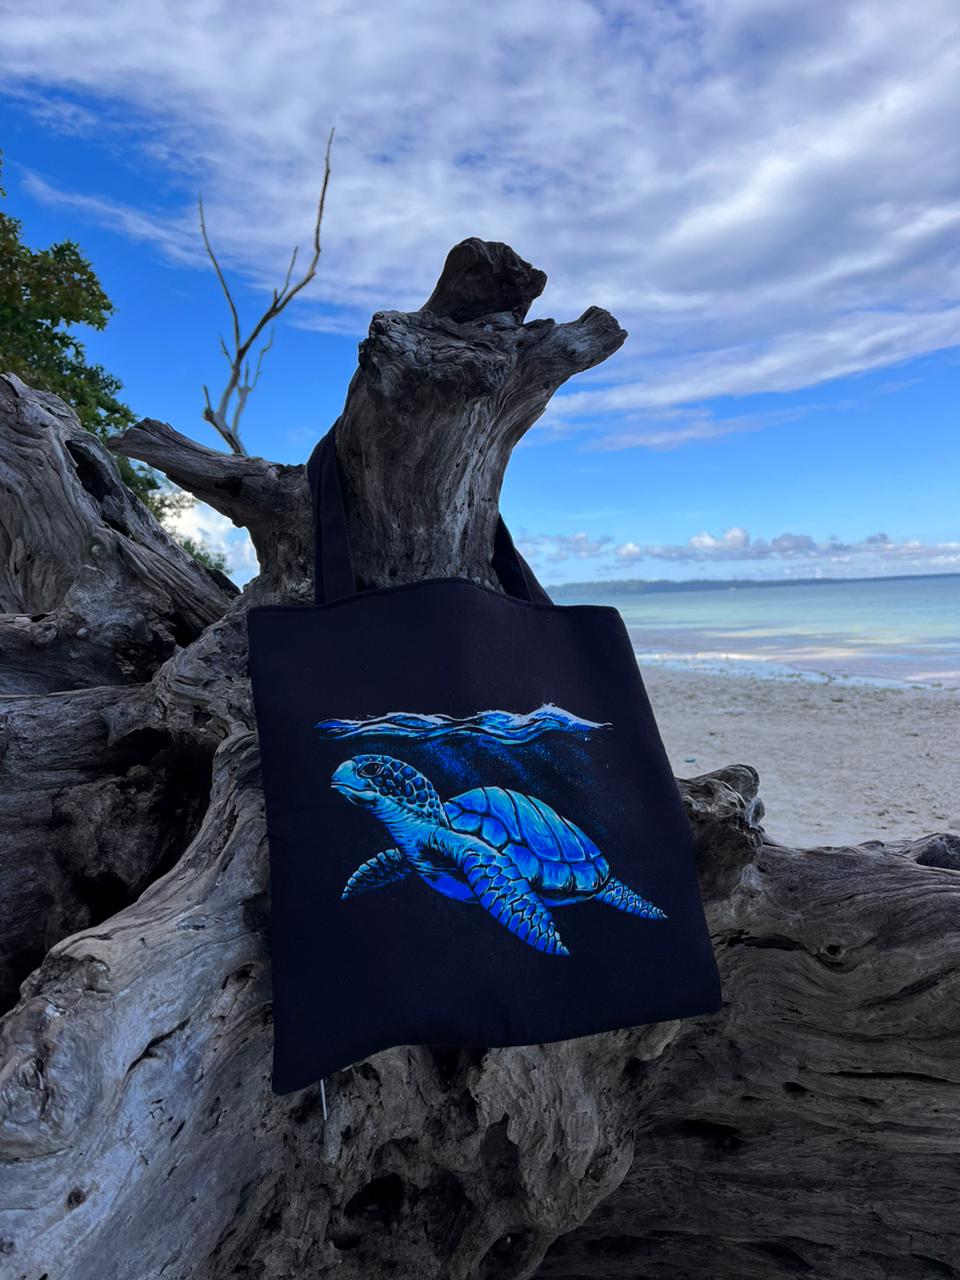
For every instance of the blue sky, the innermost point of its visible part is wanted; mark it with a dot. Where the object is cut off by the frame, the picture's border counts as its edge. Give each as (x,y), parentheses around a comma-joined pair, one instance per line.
(765,195)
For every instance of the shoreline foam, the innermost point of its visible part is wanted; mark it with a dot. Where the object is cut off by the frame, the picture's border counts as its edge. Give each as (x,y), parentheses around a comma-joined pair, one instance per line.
(769,669)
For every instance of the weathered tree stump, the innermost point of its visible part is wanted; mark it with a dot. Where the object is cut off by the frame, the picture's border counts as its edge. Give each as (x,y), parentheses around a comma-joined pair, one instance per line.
(809,1127)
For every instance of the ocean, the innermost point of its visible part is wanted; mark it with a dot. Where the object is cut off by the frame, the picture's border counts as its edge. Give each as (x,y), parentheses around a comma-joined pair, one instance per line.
(886,631)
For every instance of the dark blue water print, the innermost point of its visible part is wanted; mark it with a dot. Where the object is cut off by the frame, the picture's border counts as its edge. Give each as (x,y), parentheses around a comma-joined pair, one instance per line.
(459,751)
(504,726)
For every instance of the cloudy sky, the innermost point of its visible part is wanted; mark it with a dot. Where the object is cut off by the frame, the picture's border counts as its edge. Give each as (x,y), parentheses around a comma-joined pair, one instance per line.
(765,194)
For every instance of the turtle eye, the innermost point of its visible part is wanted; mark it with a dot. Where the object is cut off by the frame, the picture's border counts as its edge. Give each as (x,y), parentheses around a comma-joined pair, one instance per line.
(370,769)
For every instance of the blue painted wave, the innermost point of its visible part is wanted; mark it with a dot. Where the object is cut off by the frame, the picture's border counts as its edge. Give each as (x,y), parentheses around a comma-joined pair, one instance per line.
(504,726)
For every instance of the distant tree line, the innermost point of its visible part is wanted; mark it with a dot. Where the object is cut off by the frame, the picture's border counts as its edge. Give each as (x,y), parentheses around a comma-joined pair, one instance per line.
(616,587)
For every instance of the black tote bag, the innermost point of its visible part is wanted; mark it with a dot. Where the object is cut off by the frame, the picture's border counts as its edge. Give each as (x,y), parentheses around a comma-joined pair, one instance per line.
(475,836)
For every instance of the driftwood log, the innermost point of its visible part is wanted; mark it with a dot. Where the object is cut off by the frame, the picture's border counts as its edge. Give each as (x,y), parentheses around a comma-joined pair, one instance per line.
(811,1127)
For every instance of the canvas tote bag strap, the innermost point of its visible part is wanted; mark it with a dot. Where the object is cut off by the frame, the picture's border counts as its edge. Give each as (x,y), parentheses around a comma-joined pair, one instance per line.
(333,574)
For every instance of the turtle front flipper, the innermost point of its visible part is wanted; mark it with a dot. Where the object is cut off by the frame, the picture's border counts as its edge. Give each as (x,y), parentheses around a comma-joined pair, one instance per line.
(617,894)
(500,887)
(385,868)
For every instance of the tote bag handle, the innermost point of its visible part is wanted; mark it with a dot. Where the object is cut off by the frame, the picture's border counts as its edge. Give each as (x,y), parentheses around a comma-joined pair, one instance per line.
(333,574)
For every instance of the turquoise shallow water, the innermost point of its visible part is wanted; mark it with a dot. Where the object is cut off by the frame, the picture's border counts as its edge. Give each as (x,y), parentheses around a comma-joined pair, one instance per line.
(877,631)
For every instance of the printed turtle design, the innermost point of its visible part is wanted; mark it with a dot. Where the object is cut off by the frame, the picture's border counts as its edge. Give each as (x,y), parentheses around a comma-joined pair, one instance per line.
(510,852)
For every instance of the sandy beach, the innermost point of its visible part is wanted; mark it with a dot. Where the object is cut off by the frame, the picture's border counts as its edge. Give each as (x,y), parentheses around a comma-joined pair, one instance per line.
(838,763)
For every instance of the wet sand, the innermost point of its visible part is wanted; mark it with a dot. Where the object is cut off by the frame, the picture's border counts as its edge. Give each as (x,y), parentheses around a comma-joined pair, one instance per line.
(838,764)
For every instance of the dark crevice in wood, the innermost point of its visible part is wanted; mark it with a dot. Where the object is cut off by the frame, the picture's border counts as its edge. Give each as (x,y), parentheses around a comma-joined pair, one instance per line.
(150,1049)
(105,842)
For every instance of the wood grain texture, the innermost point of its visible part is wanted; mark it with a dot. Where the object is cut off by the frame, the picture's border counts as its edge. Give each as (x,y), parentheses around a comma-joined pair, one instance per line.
(810,1127)
(820,1136)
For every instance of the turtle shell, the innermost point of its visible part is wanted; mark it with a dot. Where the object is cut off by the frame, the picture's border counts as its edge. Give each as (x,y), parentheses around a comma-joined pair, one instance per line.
(561,862)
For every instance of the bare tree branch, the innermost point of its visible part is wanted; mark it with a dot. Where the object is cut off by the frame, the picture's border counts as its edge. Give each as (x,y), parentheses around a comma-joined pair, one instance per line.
(238,362)
(289,272)
(247,386)
(216,264)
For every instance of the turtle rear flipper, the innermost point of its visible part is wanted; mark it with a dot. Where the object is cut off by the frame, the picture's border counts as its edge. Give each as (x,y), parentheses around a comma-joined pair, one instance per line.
(385,868)
(617,894)
(500,887)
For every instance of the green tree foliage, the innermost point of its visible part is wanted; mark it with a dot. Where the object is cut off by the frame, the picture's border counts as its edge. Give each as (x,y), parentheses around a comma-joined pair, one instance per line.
(212,559)
(42,294)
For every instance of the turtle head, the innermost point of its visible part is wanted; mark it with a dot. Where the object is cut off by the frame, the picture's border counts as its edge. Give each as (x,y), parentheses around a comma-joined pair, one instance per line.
(397,793)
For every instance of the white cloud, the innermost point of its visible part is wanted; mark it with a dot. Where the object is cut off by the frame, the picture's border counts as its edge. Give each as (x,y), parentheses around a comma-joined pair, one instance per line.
(791,553)
(178,242)
(785,556)
(736,544)
(661,429)
(218,533)
(784,362)
(554,548)
(765,194)
(733,539)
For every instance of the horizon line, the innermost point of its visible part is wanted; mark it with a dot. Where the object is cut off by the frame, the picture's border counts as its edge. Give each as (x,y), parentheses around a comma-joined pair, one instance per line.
(753,582)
